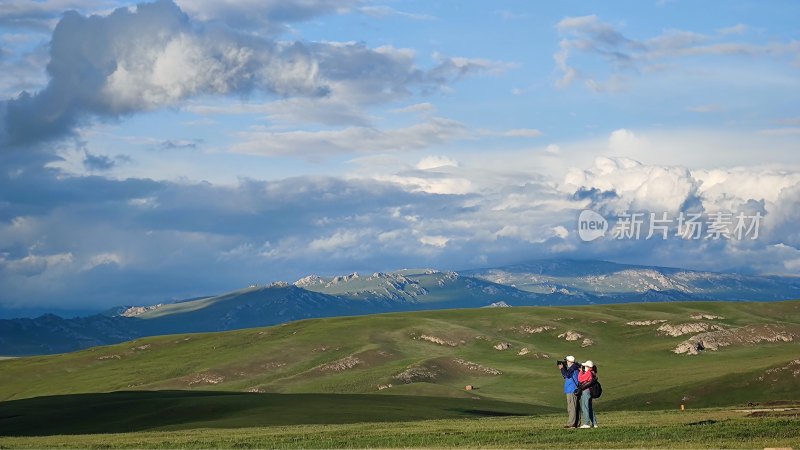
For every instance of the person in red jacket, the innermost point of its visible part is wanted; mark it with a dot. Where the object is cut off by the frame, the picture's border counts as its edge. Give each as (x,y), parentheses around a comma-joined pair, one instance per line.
(586,379)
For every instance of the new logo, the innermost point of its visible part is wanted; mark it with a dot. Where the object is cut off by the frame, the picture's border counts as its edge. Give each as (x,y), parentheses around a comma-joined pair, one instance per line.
(591,225)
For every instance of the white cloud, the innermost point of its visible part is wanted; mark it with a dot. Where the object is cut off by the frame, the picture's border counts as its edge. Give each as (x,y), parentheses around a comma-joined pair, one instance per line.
(625,141)
(589,36)
(175,236)
(424,107)
(433,162)
(154,56)
(552,149)
(435,241)
(103,259)
(348,140)
(33,264)
(636,186)
(436,184)
(338,240)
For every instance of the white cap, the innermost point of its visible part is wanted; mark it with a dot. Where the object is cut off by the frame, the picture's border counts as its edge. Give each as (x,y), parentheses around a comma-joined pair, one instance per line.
(570,358)
(589,363)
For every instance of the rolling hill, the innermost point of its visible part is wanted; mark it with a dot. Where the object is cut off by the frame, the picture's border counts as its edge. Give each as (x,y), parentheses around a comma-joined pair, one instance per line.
(549,282)
(729,353)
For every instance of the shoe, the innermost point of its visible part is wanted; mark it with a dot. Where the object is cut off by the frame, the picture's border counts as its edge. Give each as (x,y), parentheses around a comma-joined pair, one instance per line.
(569,426)
(586,426)
(594,426)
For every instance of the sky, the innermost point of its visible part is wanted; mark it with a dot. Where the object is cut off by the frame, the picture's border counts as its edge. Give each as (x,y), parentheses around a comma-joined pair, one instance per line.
(159,151)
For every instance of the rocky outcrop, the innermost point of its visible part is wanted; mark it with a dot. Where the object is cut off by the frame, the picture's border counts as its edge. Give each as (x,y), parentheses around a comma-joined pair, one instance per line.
(418,373)
(134,311)
(587,342)
(686,328)
(502,346)
(523,351)
(534,330)
(714,340)
(643,323)
(206,378)
(439,340)
(792,367)
(500,304)
(700,316)
(570,336)
(348,362)
(475,367)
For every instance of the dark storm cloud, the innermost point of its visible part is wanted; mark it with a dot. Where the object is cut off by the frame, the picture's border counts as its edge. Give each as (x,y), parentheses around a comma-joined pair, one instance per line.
(98,163)
(143,240)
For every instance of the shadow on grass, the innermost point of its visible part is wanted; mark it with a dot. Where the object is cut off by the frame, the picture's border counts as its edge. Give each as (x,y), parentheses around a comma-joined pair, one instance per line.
(130,411)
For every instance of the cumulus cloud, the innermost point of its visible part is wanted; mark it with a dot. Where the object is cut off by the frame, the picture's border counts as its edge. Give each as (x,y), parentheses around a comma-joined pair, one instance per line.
(156,56)
(637,186)
(625,141)
(133,241)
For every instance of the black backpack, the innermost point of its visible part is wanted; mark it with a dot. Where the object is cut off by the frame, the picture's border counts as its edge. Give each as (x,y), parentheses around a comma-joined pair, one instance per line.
(596,390)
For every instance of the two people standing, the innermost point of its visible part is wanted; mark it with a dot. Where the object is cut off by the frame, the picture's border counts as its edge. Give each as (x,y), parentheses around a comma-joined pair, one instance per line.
(580,381)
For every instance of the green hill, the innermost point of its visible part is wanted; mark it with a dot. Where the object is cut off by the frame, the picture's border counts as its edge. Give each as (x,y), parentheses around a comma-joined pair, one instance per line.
(437,353)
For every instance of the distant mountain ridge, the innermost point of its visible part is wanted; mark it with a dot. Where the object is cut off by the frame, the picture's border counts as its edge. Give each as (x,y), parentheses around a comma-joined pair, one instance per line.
(537,283)
(608,282)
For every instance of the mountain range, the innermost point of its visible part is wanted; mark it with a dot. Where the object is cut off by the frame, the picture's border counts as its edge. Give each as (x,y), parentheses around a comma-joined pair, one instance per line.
(537,283)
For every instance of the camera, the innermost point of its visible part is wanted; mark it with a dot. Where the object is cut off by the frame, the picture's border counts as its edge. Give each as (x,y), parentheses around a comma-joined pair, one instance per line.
(563,362)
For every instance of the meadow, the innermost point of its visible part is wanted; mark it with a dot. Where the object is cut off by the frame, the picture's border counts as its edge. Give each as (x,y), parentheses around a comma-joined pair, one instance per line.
(706,428)
(398,380)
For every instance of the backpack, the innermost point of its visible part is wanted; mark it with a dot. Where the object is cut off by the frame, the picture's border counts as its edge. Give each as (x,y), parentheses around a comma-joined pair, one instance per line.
(596,390)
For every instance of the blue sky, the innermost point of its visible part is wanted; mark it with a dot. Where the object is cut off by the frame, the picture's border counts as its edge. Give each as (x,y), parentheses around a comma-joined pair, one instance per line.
(172,149)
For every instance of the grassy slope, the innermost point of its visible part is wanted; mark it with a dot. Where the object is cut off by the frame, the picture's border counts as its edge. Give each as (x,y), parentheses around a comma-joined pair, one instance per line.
(636,367)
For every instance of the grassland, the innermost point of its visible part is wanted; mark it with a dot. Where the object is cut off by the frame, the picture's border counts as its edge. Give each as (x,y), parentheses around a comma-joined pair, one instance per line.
(316,383)
(359,355)
(713,428)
